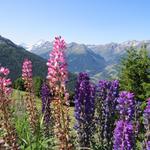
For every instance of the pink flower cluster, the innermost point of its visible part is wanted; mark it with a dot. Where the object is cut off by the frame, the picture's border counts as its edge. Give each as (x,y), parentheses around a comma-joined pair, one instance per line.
(4,81)
(4,71)
(57,66)
(27,69)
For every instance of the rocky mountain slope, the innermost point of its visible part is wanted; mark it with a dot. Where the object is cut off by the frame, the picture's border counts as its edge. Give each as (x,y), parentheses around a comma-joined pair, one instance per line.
(12,56)
(80,57)
(100,61)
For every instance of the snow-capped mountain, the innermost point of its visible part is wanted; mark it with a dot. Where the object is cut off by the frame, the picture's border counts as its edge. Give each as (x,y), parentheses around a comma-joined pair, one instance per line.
(30,47)
(41,47)
(97,60)
(80,57)
(105,50)
(26,46)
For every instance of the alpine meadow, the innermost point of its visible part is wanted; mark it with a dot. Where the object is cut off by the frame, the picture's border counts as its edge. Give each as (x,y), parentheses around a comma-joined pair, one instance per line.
(85,85)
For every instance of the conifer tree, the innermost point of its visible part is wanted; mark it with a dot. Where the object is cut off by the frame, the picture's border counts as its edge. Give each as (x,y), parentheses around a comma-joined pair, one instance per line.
(135,72)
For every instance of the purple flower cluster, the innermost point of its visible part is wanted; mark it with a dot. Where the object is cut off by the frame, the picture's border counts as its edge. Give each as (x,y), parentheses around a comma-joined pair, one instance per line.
(123,134)
(146,116)
(84,109)
(124,131)
(45,95)
(46,110)
(107,92)
(126,105)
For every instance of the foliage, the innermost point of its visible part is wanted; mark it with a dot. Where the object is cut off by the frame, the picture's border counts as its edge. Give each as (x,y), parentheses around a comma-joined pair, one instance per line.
(37,81)
(12,56)
(26,139)
(135,73)
(18,84)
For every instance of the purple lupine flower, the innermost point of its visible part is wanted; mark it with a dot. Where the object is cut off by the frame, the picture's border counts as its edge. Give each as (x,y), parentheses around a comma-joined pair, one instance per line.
(124,132)
(84,109)
(146,116)
(148,145)
(46,109)
(107,93)
(45,95)
(126,105)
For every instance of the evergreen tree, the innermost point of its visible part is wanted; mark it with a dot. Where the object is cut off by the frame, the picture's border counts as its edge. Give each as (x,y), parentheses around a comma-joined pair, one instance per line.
(135,72)
(37,81)
(19,84)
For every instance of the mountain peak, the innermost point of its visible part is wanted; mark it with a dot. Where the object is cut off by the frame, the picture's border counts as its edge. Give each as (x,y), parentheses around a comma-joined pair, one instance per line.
(40,42)
(77,48)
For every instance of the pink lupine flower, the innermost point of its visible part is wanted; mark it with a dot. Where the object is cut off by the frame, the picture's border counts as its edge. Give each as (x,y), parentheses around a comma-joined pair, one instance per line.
(4,81)
(4,71)
(10,136)
(27,69)
(27,75)
(57,66)
(30,98)
(57,77)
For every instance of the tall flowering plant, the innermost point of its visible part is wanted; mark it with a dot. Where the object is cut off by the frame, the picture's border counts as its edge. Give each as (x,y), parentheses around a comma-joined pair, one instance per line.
(9,140)
(146,116)
(124,131)
(46,108)
(84,109)
(107,93)
(30,98)
(57,78)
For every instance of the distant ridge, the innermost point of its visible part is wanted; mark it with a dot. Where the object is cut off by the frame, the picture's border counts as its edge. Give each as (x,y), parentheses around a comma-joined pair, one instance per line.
(12,56)
(80,57)
(100,61)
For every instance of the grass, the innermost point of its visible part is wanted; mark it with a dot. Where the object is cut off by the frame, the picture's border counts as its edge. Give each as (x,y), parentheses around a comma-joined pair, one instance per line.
(27,140)
(18,98)
(20,119)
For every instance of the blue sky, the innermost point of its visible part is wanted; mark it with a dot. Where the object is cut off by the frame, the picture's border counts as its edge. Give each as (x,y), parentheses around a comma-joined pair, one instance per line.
(82,21)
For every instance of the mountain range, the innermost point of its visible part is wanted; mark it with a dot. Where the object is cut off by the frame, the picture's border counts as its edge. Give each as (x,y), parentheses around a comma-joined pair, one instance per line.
(100,61)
